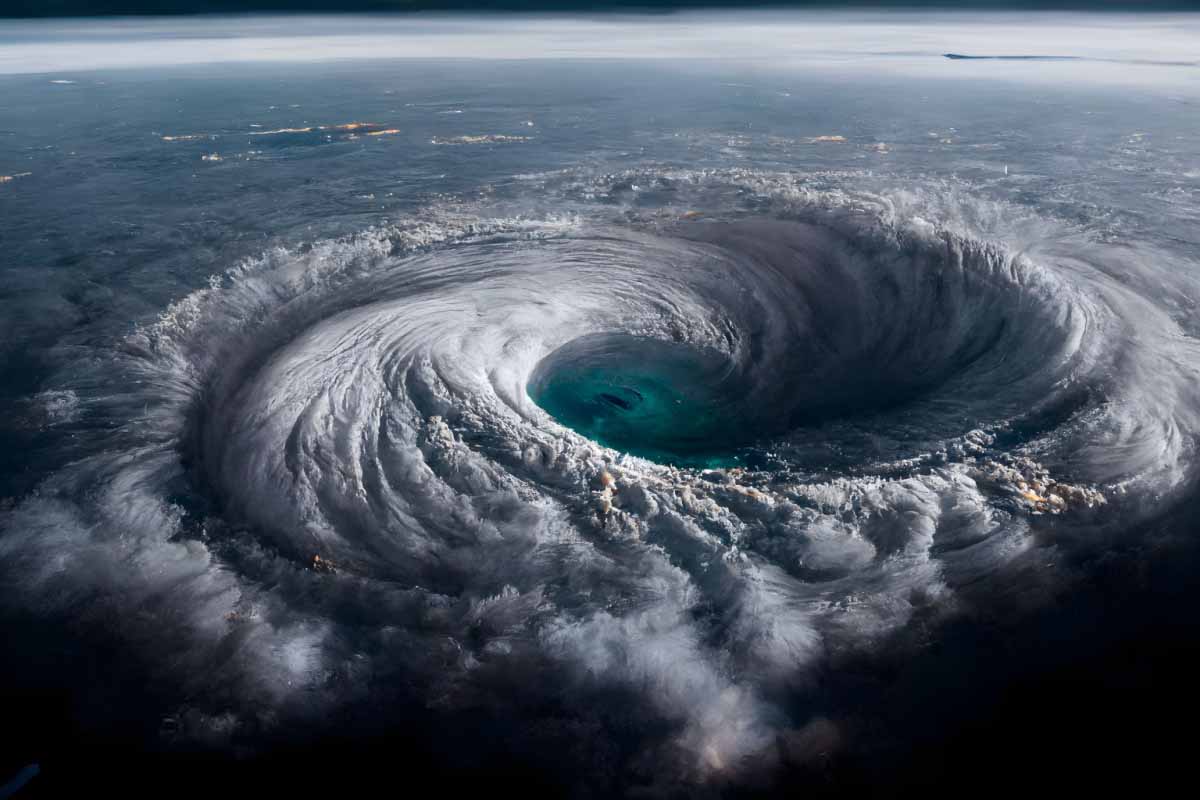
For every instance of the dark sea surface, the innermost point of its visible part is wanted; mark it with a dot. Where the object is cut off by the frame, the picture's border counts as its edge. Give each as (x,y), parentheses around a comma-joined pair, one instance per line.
(310,369)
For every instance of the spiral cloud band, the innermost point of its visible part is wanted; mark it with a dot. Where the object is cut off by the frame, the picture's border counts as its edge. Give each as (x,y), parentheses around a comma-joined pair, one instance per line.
(681,440)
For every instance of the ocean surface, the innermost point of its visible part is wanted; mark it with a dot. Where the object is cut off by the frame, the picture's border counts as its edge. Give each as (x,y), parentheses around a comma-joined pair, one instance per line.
(617,405)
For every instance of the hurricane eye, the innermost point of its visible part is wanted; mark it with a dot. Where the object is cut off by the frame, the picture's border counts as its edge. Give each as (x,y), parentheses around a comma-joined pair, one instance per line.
(665,401)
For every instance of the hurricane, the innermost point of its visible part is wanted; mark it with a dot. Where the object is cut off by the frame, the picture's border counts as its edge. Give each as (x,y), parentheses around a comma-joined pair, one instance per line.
(689,451)
(683,447)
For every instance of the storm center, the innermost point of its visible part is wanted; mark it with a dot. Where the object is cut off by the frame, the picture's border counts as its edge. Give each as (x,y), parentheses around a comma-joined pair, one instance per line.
(665,401)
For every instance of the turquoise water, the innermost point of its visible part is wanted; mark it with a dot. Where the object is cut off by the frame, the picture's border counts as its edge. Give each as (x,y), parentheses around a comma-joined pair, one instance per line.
(663,401)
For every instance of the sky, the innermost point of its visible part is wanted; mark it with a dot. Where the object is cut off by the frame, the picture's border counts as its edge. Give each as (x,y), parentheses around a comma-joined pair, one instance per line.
(1150,50)
(54,8)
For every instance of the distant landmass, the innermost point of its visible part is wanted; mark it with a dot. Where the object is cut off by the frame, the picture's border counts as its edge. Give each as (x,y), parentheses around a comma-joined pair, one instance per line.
(962,57)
